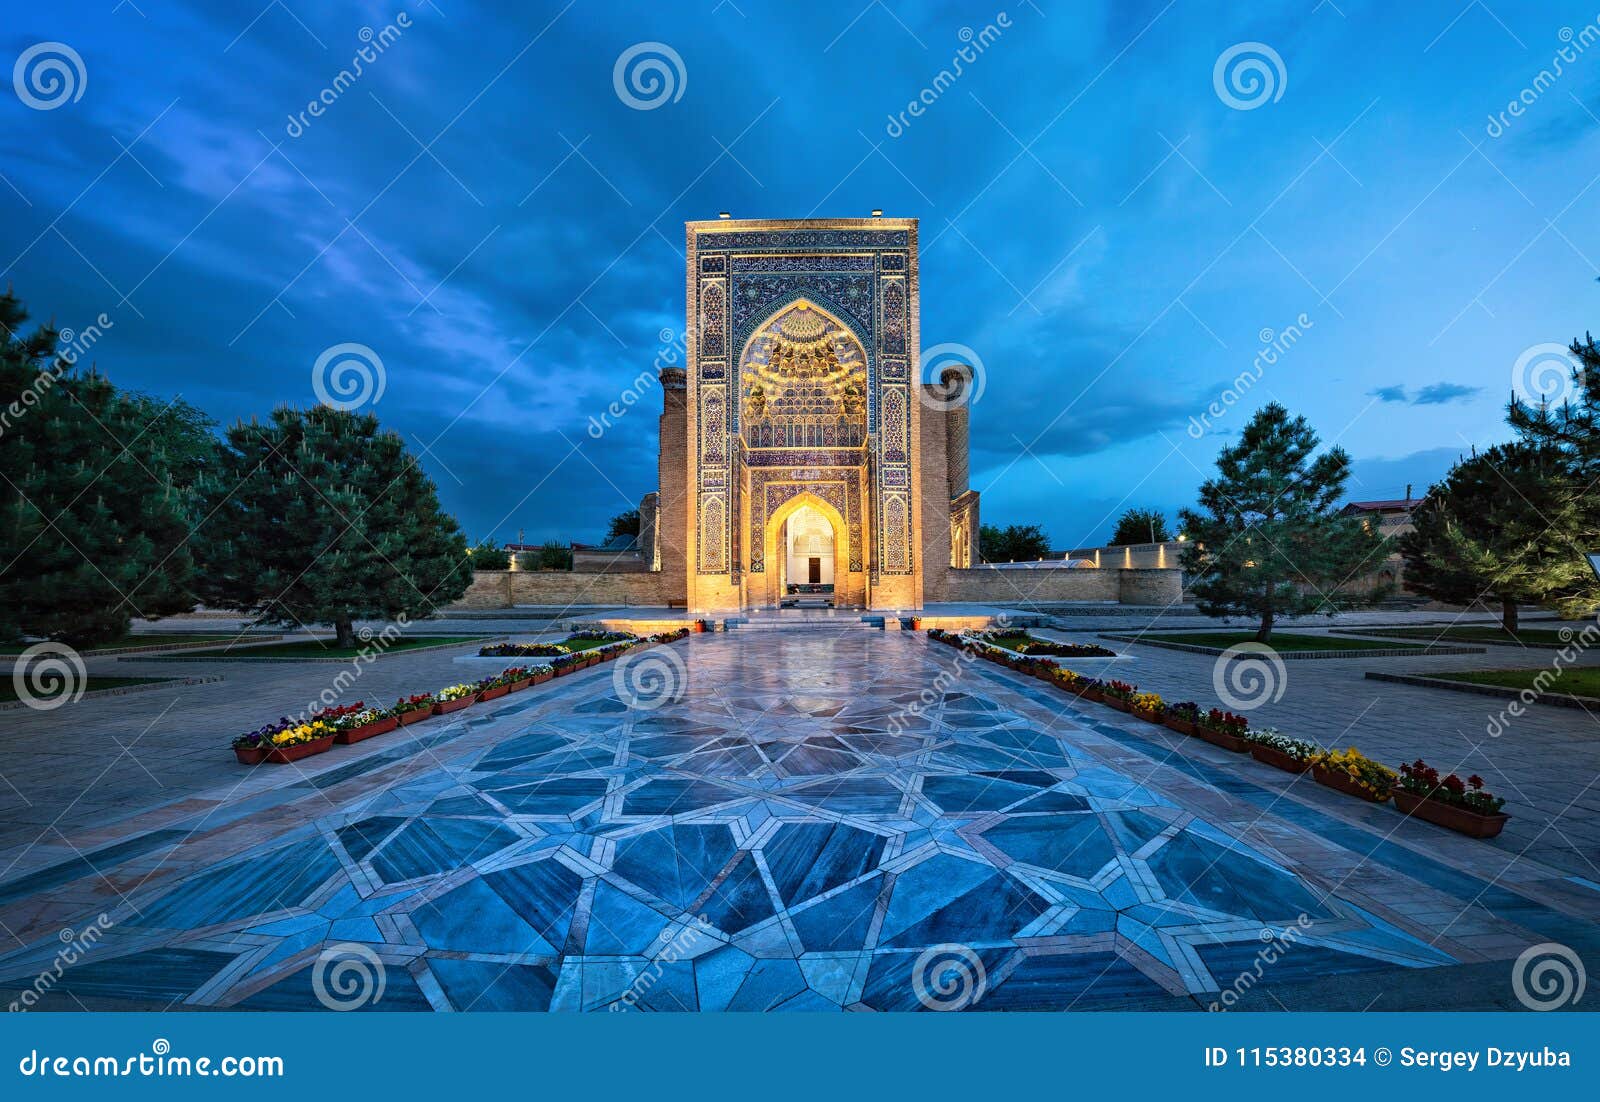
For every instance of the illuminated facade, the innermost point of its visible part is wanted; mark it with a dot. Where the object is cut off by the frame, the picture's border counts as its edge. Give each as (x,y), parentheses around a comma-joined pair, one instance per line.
(799,421)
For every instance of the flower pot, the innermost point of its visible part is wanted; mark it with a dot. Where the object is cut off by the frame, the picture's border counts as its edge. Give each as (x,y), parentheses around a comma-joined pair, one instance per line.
(250,755)
(366,731)
(493,694)
(1158,718)
(1341,782)
(445,707)
(1276,758)
(562,671)
(1093,696)
(1118,703)
(1182,726)
(541,678)
(1460,819)
(916,623)
(518,685)
(415,715)
(282,755)
(1221,738)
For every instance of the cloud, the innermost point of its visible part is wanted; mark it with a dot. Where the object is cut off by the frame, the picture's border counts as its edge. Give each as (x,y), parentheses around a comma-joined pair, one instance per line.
(1434,394)
(1438,394)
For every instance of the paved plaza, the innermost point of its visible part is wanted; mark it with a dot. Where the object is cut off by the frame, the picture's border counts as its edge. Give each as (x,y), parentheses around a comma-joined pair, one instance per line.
(821,820)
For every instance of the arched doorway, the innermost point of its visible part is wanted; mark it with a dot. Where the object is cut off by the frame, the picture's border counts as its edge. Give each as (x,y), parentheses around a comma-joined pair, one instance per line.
(808,558)
(803,535)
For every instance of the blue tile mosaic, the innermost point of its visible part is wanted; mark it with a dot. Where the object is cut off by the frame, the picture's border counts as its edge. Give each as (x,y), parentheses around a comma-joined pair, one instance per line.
(789,835)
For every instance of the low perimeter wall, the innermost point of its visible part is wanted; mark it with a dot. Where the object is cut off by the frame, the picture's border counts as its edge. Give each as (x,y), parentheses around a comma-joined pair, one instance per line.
(991,585)
(561,588)
(986,585)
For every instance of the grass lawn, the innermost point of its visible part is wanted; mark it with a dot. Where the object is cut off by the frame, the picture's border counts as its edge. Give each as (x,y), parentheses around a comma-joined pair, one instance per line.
(8,688)
(1281,640)
(324,648)
(1577,681)
(1471,633)
(1013,641)
(152,640)
(584,644)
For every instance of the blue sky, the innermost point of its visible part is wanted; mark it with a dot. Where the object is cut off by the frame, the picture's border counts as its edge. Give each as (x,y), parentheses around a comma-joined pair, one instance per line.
(1111,237)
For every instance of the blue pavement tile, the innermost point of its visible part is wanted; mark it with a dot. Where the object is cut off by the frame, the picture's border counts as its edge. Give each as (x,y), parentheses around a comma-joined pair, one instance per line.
(808,859)
(90,864)
(490,985)
(155,976)
(258,885)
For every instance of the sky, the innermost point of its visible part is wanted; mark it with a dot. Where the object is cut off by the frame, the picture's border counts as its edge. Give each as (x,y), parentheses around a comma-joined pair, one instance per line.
(1121,205)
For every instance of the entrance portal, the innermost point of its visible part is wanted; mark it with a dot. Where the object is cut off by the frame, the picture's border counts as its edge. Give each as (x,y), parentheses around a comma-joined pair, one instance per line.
(808,558)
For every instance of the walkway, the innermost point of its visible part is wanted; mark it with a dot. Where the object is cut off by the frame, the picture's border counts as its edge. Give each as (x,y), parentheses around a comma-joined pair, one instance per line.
(811,825)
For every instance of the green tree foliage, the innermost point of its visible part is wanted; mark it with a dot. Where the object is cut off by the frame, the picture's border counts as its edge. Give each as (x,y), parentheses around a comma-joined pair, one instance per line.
(1572,431)
(1141,526)
(1503,523)
(321,517)
(489,555)
(624,524)
(1267,540)
(553,555)
(1013,543)
(96,502)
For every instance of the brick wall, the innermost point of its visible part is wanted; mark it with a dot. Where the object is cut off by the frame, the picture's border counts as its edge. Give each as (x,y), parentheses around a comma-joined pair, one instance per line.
(992,585)
(672,505)
(561,589)
(935,549)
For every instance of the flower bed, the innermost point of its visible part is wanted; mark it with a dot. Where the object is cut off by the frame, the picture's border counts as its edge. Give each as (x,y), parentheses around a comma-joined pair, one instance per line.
(356,723)
(413,709)
(300,741)
(1292,755)
(1353,773)
(1449,801)
(1417,789)
(1223,729)
(453,698)
(1038,647)
(290,739)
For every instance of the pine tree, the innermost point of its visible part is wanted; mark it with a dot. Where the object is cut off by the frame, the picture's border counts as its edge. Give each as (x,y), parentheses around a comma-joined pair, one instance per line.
(321,517)
(1572,431)
(1140,526)
(1268,540)
(96,500)
(1503,523)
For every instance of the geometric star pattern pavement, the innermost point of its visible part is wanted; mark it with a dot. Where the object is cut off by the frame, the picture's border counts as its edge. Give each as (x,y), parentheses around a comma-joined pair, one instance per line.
(820,822)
